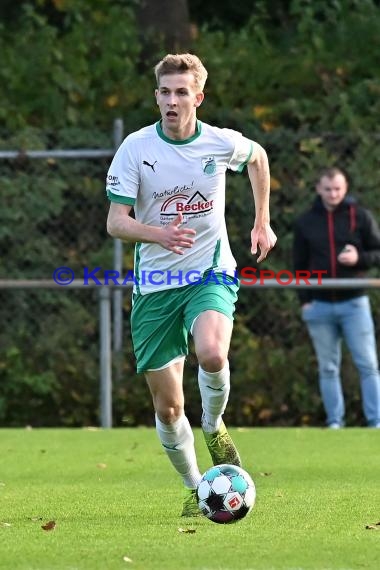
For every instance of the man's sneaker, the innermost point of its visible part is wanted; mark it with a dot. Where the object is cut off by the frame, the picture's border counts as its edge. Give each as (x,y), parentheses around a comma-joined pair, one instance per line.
(334,425)
(221,447)
(190,504)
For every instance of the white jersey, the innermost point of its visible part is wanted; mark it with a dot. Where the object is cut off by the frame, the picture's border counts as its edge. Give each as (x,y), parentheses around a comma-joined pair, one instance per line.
(161,177)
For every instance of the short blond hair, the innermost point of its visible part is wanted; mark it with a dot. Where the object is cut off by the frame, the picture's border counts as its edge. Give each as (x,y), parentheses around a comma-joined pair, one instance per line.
(182,63)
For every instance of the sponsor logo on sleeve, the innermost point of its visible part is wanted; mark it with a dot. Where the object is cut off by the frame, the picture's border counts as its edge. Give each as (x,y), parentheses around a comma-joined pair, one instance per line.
(113,182)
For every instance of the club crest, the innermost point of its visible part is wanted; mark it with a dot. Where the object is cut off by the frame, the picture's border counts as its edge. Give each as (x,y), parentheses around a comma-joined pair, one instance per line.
(208,165)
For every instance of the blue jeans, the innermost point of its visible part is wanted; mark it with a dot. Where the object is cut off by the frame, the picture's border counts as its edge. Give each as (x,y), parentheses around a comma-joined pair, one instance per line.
(327,324)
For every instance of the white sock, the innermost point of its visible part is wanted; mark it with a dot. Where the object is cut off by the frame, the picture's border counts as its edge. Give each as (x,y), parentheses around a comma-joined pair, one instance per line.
(177,439)
(215,389)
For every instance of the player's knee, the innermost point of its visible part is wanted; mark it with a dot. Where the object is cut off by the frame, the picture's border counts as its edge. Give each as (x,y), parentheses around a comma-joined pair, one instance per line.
(169,414)
(212,360)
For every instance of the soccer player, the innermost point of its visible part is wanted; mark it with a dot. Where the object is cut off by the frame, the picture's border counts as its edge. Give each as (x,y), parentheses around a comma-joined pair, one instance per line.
(172,174)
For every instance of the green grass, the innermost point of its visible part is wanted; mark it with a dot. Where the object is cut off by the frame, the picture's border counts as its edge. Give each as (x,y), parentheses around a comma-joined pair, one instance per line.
(113,494)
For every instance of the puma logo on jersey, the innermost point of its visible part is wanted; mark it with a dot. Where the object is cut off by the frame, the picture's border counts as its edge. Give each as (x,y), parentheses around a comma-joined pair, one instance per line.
(151,165)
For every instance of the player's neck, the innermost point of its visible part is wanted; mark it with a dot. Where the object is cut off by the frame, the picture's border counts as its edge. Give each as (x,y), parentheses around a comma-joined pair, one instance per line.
(180,133)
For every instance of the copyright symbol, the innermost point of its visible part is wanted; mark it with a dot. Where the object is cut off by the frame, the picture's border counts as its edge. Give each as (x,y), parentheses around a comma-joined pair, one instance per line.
(63,275)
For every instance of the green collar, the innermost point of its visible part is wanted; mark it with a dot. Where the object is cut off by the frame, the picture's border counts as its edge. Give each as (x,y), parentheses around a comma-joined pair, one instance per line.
(198,130)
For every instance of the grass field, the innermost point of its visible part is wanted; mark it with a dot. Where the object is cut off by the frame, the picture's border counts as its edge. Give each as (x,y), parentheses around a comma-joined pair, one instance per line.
(115,501)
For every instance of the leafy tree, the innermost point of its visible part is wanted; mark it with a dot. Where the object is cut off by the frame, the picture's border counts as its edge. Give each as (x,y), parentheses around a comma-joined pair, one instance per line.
(296,76)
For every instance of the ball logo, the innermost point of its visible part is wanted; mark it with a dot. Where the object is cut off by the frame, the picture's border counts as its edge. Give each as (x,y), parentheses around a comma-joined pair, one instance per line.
(234,502)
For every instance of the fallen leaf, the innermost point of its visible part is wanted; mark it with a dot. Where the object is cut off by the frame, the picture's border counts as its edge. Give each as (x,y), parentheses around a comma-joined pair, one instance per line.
(36,519)
(187,530)
(5,524)
(265,474)
(101,465)
(126,559)
(49,525)
(375,526)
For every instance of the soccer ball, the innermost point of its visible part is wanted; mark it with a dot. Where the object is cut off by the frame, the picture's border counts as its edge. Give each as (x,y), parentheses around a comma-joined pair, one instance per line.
(226,494)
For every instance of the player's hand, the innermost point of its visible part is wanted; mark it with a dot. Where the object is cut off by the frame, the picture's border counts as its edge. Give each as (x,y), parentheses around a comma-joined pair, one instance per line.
(264,238)
(175,238)
(349,255)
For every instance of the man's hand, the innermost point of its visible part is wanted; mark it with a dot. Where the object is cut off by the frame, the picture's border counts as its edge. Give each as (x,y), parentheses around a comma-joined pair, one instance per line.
(174,238)
(349,255)
(264,238)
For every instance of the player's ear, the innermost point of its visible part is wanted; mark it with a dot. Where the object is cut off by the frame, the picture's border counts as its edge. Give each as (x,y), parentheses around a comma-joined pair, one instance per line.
(198,99)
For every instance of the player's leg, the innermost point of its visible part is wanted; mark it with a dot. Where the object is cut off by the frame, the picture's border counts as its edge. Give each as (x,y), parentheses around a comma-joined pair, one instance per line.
(173,427)
(160,345)
(212,334)
(209,317)
(325,334)
(359,333)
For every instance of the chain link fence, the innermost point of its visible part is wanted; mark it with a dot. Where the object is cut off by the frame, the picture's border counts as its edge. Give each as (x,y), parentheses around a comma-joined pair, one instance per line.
(53,215)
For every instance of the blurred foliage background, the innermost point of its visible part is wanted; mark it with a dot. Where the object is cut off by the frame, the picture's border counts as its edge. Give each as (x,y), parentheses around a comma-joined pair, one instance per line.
(298,76)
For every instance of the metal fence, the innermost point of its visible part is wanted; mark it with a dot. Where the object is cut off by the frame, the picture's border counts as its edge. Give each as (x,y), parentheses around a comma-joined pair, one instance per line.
(21,165)
(21,157)
(74,341)
(106,296)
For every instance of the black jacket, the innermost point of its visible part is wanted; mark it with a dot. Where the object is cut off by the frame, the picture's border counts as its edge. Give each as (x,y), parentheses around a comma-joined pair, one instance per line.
(320,236)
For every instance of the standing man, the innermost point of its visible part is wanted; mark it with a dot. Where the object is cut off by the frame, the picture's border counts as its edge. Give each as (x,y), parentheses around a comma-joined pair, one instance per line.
(340,237)
(172,174)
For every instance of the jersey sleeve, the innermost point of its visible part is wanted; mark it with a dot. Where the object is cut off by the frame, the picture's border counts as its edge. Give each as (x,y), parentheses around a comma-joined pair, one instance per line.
(242,150)
(123,177)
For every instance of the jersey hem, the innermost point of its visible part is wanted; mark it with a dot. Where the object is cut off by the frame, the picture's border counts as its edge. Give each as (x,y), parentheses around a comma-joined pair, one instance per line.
(120,199)
(242,166)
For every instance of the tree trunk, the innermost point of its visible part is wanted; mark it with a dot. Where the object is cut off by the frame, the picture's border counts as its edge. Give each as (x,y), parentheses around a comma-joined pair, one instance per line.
(164,23)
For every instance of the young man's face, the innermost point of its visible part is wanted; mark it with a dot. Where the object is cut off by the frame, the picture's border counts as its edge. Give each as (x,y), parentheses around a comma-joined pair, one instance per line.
(178,99)
(332,190)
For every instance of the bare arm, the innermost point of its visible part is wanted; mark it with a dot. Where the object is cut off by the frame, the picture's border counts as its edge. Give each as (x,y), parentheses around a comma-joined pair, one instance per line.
(121,225)
(262,235)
